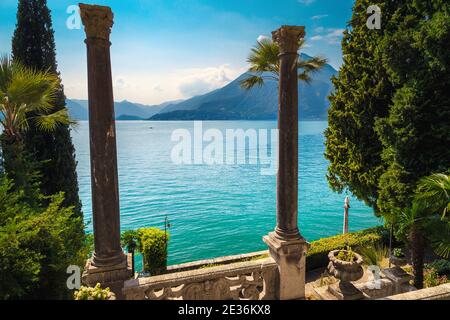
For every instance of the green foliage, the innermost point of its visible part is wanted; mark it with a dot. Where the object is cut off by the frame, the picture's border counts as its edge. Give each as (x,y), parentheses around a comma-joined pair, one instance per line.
(388,121)
(346,255)
(432,279)
(398,252)
(89,293)
(33,45)
(416,133)
(153,246)
(317,255)
(129,239)
(265,64)
(37,244)
(441,266)
(374,255)
(361,95)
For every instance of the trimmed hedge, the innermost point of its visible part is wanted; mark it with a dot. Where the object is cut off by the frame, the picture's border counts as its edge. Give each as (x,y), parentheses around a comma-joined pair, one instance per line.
(153,246)
(317,256)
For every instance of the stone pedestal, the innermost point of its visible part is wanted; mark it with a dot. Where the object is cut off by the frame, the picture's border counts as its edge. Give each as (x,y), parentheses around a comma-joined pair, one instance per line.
(112,277)
(399,278)
(345,291)
(290,257)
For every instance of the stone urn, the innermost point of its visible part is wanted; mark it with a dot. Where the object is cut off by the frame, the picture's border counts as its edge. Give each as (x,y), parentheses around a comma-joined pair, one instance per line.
(345,271)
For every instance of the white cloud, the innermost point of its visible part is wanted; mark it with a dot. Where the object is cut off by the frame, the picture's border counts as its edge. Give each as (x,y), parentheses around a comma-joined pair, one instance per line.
(330,35)
(319,16)
(262,37)
(334,36)
(195,82)
(319,29)
(316,38)
(335,32)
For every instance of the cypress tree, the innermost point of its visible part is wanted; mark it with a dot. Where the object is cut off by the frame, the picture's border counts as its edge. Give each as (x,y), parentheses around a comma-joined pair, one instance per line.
(361,94)
(33,45)
(416,133)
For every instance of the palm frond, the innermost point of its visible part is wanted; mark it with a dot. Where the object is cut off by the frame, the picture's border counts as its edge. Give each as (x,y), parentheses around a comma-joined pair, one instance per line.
(305,77)
(51,121)
(251,81)
(264,64)
(32,89)
(312,65)
(434,192)
(5,72)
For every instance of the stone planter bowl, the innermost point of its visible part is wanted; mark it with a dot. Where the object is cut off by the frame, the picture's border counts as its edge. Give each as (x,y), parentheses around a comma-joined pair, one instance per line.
(344,270)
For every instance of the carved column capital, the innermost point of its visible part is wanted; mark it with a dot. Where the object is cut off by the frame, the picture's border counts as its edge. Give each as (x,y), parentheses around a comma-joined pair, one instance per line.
(287,37)
(97,21)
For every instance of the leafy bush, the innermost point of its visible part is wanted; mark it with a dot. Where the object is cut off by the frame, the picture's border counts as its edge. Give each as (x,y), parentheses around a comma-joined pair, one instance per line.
(129,240)
(432,279)
(374,255)
(346,255)
(398,252)
(441,266)
(89,293)
(317,256)
(153,246)
(37,244)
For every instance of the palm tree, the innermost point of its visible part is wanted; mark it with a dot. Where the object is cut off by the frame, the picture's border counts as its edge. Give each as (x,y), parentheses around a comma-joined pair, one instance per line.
(434,194)
(26,95)
(265,64)
(427,219)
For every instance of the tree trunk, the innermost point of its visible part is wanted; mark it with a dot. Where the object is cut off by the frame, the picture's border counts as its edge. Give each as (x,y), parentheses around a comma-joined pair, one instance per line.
(417,253)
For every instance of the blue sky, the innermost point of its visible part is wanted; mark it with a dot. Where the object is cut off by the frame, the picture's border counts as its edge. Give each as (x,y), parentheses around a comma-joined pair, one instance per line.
(173,49)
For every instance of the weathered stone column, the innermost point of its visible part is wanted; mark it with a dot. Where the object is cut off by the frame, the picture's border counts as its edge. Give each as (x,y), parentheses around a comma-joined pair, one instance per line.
(286,245)
(108,264)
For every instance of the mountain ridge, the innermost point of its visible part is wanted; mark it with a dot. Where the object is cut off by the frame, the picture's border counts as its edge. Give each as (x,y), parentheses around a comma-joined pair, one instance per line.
(231,102)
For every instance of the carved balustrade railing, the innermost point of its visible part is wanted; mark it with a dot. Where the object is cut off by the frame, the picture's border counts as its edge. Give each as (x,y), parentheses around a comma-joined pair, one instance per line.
(251,280)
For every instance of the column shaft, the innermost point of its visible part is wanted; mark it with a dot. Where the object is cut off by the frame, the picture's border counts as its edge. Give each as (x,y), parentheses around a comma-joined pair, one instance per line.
(102,133)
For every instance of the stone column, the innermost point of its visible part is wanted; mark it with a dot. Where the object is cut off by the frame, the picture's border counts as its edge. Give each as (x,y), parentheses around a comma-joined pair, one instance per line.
(286,245)
(108,264)
(346,207)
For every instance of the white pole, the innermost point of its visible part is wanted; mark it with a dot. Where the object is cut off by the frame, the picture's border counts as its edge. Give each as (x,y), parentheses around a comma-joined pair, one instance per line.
(346,207)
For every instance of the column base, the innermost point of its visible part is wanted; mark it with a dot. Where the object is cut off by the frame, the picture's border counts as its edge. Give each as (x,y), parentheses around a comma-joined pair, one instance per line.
(290,256)
(111,276)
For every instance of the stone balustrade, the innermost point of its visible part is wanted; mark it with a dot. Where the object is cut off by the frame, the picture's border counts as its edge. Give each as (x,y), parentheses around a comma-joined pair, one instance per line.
(251,280)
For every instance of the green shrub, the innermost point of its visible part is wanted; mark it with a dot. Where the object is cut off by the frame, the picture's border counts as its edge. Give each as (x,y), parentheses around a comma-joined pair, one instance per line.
(346,255)
(441,266)
(432,279)
(37,244)
(398,252)
(153,246)
(317,256)
(89,293)
(374,255)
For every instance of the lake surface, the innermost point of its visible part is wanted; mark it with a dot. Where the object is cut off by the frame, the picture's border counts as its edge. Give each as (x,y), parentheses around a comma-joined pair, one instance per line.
(219,209)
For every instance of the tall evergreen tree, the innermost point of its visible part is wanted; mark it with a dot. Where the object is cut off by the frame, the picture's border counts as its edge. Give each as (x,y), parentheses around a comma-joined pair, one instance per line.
(361,94)
(389,116)
(33,45)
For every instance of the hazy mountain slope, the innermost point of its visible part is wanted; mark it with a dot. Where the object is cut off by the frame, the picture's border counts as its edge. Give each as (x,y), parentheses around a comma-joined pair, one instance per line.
(232,102)
(78,109)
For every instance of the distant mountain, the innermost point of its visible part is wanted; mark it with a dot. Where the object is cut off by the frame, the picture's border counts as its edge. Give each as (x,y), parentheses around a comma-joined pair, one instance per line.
(78,109)
(128,117)
(260,103)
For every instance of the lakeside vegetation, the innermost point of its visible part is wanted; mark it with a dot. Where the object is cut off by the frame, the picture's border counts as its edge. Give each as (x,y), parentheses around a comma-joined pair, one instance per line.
(387,143)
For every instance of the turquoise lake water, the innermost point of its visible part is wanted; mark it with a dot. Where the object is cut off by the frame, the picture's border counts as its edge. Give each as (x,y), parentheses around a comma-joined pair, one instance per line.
(214,210)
